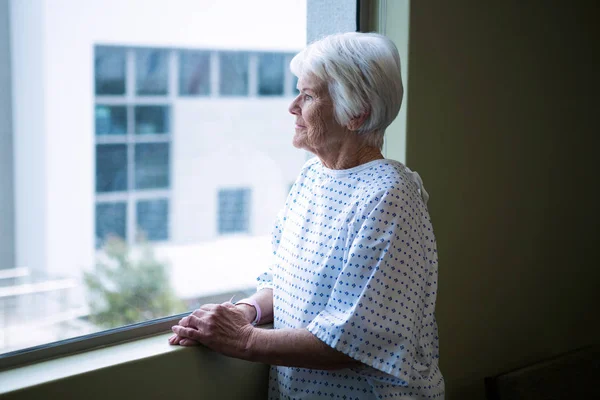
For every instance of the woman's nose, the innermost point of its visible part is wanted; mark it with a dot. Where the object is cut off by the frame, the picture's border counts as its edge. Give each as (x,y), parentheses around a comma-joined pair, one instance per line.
(293,108)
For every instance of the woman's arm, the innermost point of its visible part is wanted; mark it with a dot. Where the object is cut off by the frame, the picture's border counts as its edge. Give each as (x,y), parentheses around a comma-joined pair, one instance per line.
(264,298)
(225,329)
(295,348)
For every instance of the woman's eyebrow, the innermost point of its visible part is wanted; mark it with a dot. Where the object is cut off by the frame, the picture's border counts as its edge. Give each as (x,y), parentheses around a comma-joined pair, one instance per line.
(307,89)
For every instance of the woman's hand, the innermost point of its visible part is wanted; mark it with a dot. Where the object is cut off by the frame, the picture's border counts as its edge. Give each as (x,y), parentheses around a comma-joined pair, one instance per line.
(221,327)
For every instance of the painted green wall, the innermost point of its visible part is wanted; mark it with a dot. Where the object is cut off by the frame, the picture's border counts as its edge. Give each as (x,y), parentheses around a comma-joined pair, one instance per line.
(502,126)
(188,373)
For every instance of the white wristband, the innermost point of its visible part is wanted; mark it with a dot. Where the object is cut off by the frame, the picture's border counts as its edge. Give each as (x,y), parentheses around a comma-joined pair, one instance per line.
(253,303)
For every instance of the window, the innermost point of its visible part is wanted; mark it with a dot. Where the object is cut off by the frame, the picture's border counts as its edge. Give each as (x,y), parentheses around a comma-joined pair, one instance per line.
(271,74)
(194,73)
(152,218)
(111,120)
(151,120)
(110,71)
(234,206)
(111,168)
(179,148)
(133,147)
(111,219)
(151,72)
(233,74)
(152,166)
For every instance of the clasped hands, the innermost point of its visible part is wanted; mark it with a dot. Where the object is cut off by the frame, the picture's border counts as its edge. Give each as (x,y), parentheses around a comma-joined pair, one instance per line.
(225,328)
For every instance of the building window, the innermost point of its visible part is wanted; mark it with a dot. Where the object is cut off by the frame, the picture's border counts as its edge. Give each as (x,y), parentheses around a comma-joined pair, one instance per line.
(111,220)
(152,120)
(234,210)
(133,143)
(111,168)
(233,73)
(151,72)
(133,128)
(151,166)
(153,219)
(109,72)
(194,73)
(111,120)
(271,74)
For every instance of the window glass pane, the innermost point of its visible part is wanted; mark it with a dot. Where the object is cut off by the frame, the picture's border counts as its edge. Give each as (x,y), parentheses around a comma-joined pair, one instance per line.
(111,168)
(109,64)
(151,72)
(152,119)
(111,120)
(234,206)
(194,73)
(111,220)
(152,166)
(271,75)
(233,74)
(152,219)
(159,158)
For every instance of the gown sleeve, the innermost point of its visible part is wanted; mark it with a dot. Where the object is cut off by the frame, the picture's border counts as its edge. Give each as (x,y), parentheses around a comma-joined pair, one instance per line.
(377,304)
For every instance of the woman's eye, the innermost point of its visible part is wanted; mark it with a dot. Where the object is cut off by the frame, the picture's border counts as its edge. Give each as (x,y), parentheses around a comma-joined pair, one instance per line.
(307,97)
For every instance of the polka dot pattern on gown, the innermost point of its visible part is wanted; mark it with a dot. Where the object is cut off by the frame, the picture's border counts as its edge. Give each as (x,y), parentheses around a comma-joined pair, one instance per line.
(355,263)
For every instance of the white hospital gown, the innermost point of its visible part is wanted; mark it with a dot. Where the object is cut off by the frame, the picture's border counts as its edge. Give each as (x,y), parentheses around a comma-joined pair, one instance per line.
(355,263)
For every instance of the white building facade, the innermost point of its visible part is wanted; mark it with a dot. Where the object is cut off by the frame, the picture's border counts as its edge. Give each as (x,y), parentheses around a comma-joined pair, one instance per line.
(155,154)
(167,119)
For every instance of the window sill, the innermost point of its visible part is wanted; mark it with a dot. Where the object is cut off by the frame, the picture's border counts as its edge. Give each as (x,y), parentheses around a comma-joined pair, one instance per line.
(154,368)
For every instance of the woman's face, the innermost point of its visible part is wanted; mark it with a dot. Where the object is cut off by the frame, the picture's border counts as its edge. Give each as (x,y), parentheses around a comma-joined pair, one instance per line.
(316,128)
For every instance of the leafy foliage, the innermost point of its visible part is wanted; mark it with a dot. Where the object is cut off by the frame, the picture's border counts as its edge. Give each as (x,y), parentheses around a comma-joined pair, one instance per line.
(124,289)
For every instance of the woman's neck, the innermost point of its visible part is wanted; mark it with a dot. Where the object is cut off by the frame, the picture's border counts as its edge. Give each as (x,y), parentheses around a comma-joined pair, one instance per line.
(350,156)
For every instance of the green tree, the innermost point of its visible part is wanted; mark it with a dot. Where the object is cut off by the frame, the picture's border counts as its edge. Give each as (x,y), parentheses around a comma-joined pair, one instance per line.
(123,289)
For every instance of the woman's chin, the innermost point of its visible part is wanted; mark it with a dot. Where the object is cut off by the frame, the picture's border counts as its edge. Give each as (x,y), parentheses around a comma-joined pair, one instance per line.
(299,142)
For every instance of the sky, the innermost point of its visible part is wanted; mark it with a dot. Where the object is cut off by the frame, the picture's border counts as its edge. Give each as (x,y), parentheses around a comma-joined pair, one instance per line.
(226,24)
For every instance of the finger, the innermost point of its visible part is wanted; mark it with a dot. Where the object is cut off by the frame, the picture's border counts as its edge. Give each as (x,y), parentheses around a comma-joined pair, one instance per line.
(200,312)
(188,342)
(191,321)
(186,333)
(203,308)
(174,340)
(185,320)
(194,322)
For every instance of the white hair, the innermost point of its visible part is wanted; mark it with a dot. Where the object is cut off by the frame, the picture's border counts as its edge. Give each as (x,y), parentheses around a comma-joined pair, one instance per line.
(362,73)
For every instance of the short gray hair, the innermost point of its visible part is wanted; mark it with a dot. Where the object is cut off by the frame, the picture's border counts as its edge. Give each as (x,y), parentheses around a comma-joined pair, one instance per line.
(362,73)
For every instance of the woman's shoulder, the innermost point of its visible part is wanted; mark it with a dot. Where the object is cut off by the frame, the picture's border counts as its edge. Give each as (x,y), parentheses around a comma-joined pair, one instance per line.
(393,181)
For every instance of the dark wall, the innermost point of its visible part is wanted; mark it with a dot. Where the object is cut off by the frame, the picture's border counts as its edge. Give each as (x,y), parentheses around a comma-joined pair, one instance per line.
(502,126)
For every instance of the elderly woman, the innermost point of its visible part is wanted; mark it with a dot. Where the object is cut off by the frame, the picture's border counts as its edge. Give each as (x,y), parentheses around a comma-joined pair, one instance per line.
(351,292)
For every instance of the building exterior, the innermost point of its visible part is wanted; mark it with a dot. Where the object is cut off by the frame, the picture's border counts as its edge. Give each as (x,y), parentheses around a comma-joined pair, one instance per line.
(162,119)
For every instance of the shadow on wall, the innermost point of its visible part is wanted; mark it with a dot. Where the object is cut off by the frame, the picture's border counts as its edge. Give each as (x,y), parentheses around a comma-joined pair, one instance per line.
(501,128)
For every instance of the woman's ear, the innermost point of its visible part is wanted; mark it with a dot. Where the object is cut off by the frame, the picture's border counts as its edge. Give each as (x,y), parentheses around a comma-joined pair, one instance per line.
(358,121)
